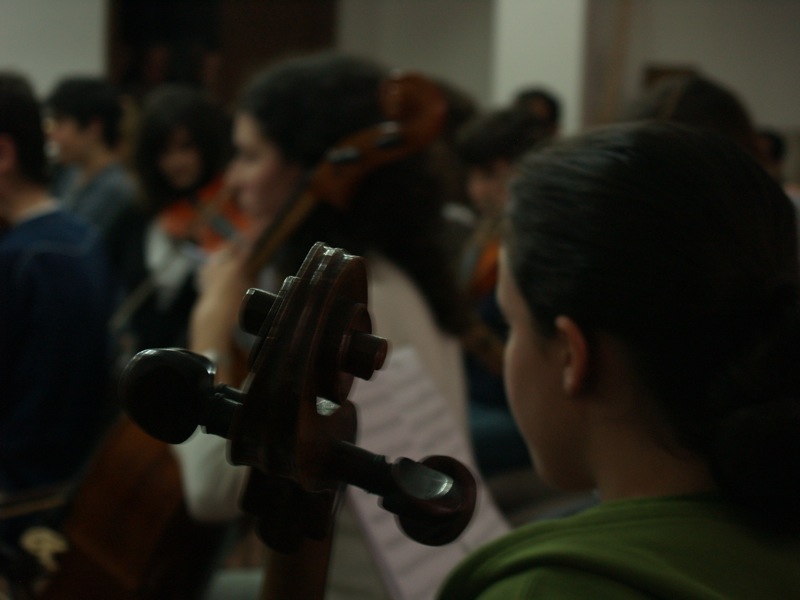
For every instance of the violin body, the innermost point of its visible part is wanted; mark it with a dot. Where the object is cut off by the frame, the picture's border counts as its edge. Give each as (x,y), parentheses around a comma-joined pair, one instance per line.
(209,219)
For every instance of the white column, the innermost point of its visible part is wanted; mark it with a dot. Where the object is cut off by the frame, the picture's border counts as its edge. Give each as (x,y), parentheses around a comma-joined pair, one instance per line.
(540,42)
(444,38)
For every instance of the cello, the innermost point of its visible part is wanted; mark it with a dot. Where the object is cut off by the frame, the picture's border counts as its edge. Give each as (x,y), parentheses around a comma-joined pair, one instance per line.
(294,425)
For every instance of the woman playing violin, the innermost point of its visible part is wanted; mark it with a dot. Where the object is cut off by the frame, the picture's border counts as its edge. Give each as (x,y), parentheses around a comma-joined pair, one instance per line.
(287,120)
(182,149)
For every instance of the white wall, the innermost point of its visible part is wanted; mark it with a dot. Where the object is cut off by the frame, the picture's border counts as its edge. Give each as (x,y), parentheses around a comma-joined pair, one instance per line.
(490,48)
(590,52)
(445,38)
(493,47)
(47,39)
(540,42)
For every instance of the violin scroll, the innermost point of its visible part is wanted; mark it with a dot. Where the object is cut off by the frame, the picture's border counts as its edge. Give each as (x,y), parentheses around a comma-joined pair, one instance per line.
(416,110)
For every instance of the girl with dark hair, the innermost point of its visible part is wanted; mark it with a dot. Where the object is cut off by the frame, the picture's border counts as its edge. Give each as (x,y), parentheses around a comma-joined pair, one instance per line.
(182,145)
(650,280)
(181,152)
(288,118)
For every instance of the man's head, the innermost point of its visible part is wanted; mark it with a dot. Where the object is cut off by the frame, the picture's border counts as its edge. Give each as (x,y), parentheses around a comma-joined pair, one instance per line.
(85,114)
(542,104)
(22,152)
(489,146)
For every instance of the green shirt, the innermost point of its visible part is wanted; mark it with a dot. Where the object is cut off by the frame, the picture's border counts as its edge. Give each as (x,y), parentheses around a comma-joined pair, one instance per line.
(690,547)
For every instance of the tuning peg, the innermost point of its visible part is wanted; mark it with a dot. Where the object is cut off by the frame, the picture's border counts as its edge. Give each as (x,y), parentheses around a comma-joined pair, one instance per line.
(428,509)
(168,392)
(433,499)
(365,354)
(255,310)
(346,155)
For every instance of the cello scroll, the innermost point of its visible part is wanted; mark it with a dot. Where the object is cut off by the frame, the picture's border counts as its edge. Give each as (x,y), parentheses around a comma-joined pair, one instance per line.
(292,421)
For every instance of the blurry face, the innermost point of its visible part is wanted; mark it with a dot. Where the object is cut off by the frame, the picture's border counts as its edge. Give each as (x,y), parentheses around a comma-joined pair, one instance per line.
(533,373)
(259,175)
(72,142)
(487,188)
(540,108)
(181,162)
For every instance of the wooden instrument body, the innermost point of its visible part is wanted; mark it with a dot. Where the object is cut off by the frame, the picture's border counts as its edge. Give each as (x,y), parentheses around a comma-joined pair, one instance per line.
(128,530)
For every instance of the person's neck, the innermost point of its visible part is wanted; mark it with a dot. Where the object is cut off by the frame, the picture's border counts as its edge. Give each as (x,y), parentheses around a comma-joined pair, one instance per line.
(631,449)
(24,201)
(95,162)
(633,466)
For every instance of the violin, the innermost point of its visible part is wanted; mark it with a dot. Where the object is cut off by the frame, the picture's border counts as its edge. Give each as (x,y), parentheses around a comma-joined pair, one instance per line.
(293,423)
(209,219)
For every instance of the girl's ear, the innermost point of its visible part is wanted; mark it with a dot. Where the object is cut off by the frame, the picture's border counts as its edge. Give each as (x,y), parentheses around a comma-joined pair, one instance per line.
(575,370)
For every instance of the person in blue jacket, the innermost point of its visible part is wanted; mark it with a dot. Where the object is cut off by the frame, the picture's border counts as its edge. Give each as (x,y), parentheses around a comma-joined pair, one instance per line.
(55,299)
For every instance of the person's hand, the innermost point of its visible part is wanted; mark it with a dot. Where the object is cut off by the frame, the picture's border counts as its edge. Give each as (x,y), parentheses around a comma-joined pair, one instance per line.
(222,284)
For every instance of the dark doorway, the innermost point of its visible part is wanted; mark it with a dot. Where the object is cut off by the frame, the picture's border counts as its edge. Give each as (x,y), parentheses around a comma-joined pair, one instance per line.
(214,43)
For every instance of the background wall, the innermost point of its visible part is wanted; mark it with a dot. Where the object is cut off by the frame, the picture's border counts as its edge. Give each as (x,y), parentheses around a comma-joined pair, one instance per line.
(751,45)
(489,48)
(591,52)
(47,39)
(452,39)
(540,43)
